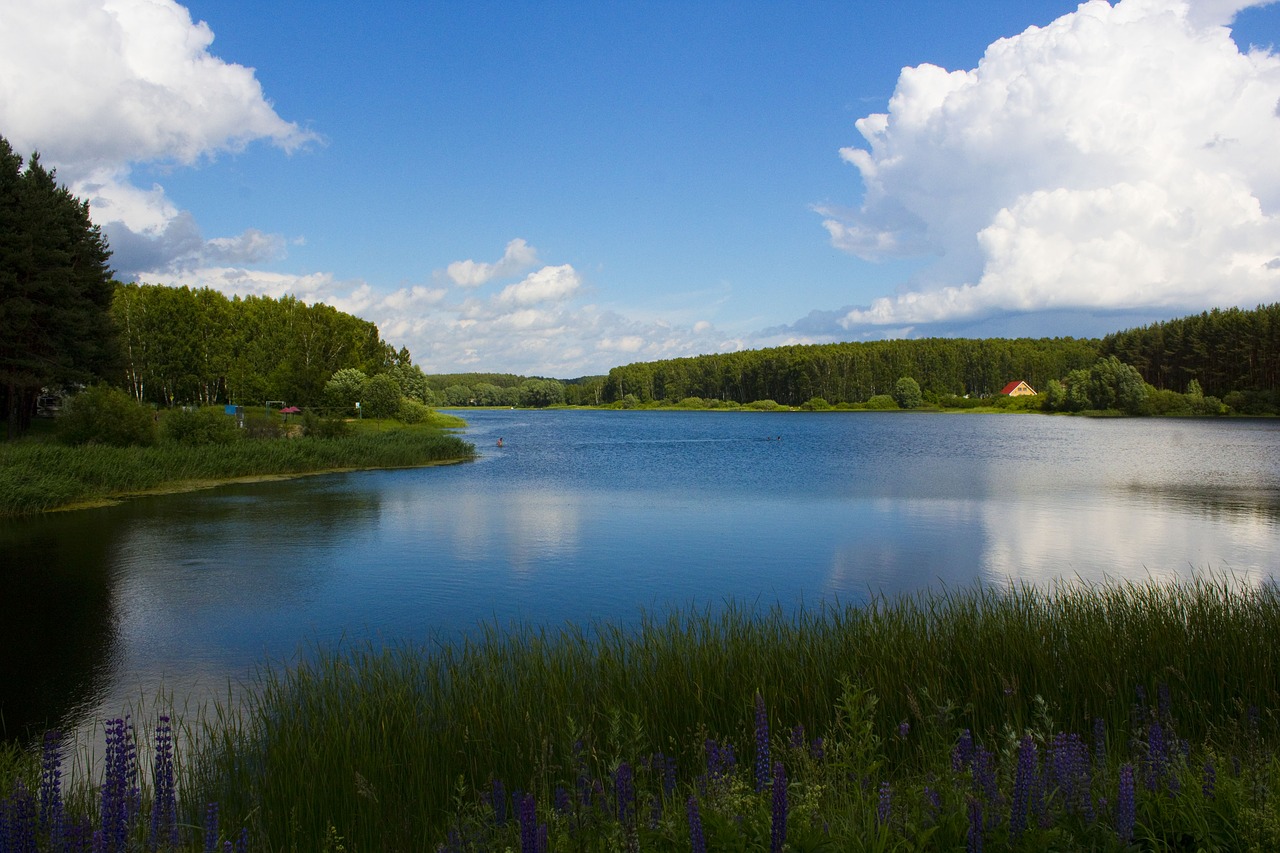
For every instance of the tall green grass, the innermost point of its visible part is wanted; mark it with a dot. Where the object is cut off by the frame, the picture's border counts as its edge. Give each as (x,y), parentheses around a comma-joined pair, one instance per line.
(36,476)
(387,745)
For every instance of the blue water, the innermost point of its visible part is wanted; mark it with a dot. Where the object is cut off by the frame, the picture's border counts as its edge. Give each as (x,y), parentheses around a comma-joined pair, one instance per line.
(584,515)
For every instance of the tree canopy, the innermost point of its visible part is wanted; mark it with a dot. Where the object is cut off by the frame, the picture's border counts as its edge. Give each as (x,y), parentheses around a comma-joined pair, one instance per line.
(55,288)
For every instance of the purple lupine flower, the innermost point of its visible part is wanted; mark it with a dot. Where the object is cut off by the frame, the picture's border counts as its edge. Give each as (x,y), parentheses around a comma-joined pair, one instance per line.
(697,841)
(778,830)
(1164,703)
(904,729)
(242,840)
(562,802)
(1157,755)
(721,761)
(18,820)
(818,749)
(796,740)
(1126,806)
(1069,771)
(211,828)
(164,806)
(762,745)
(498,799)
(932,799)
(974,837)
(120,794)
(1023,782)
(624,791)
(962,752)
(1100,741)
(528,825)
(1210,784)
(984,774)
(51,808)
(884,805)
(665,767)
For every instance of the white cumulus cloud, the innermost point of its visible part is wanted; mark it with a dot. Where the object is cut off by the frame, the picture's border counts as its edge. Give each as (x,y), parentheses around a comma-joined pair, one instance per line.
(98,86)
(518,257)
(1121,157)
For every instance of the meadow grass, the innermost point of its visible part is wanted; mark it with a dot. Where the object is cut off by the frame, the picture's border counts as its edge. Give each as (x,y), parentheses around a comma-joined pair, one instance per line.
(1113,716)
(40,475)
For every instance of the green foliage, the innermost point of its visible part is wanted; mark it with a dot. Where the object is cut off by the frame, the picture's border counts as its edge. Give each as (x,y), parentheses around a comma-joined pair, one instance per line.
(317,427)
(55,289)
(815,404)
(106,415)
(412,412)
(763,405)
(906,393)
(37,476)
(457,395)
(380,397)
(430,727)
(692,403)
(344,388)
(881,402)
(179,345)
(540,393)
(209,425)
(1223,350)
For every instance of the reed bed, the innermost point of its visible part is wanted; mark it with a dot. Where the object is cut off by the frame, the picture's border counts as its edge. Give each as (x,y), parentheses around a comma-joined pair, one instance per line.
(37,476)
(1077,716)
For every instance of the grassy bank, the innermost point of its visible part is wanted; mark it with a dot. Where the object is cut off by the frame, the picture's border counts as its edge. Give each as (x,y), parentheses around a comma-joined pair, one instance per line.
(40,475)
(1111,717)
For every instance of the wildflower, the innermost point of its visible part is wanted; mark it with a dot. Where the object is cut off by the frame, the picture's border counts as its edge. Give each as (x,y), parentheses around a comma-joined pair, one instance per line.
(1125,805)
(962,752)
(563,803)
(1209,786)
(211,828)
(697,841)
(762,745)
(1157,755)
(528,825)
(778,832)
(498,799)
(884,807)
(1024,779)
(624,790)
(904,728)
(120,795)
(1069,771)
(18,820)
(796,741)
(51,811)
(1100,741)
(984,773)
(164,806)
(974,837)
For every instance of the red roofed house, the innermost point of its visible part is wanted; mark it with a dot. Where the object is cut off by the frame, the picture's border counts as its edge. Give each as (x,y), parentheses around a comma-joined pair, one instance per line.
(1018,389)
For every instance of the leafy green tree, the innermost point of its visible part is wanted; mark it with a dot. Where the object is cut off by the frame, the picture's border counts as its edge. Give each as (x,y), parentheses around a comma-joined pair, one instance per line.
(881,401)
(412,412)
(906,393)
(55,289)
(106,415)
(540,393)
(487,394)
(195,427)
(380,397)
(457,395)
(344,388)
(1055,396)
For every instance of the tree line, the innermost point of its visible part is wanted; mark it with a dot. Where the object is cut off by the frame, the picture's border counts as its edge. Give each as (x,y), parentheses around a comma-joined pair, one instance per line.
(852,372)
(1232,353)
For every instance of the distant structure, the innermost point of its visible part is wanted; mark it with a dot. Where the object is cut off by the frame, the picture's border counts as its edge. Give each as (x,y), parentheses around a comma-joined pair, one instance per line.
(1018,389)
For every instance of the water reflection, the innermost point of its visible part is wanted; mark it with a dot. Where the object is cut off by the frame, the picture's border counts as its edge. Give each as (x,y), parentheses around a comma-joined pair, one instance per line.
(596,515)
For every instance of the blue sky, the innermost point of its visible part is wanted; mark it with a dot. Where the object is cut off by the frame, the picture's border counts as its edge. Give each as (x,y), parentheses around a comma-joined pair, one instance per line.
(558,188)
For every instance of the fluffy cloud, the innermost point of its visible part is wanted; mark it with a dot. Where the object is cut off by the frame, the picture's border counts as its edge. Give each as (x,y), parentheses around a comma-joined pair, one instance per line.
(1120,158)
(518,257)
(99,85)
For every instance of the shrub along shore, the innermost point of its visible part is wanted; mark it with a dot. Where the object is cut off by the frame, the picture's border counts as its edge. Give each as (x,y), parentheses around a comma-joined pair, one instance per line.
(37,476)
(1111,717)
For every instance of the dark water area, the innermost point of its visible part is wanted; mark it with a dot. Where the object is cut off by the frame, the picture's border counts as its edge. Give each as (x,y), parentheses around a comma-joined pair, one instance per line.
(584,515)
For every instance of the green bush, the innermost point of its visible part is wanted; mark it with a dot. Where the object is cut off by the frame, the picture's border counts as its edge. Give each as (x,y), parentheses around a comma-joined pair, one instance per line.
(815,404)
(380,397)
(762,405)
(881,401)
(412,412)
(906,393)
(200,426)
(258,425)
(693,403)
(318,427)
(106,415)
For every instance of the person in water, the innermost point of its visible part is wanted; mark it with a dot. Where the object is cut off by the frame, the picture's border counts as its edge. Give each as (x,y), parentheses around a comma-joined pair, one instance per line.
(499,442)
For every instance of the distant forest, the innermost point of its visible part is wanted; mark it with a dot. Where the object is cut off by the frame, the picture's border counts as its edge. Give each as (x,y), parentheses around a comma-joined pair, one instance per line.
(1229,351)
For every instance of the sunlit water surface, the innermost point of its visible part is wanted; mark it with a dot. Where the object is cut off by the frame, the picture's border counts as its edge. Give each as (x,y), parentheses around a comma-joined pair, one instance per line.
(584,515)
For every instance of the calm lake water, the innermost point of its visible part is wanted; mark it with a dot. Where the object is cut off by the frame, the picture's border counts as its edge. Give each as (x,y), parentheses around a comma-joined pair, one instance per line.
(585,515)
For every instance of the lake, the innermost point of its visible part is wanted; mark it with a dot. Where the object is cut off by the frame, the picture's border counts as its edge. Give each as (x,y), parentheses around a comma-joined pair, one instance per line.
(584,515)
